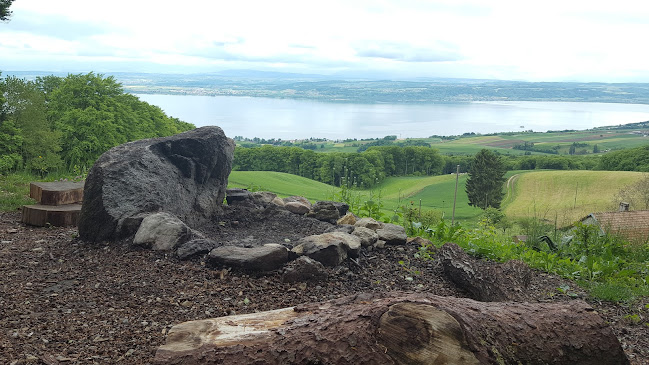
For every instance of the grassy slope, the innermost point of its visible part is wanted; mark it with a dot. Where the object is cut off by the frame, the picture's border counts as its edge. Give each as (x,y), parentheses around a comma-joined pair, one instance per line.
(281,184)
(435,192)
(566,195)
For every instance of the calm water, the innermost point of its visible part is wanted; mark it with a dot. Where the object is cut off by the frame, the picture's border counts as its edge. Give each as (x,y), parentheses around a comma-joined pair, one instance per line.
(289,119)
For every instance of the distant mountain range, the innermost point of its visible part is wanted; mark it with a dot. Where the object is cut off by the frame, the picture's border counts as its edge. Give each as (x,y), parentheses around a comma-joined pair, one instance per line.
(341,88)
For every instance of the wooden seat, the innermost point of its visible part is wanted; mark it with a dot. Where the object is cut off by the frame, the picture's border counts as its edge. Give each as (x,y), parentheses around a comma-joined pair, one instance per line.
(58,203)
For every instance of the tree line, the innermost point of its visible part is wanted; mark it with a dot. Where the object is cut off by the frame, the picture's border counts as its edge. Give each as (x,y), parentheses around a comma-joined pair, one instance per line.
(366,168)
(68,122)
(363,169)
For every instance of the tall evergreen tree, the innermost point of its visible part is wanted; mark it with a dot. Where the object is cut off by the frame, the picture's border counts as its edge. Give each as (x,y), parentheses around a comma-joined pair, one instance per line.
(484,186)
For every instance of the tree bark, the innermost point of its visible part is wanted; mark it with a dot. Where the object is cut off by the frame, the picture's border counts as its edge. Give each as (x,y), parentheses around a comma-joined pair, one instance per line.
(482,280)
(399,328)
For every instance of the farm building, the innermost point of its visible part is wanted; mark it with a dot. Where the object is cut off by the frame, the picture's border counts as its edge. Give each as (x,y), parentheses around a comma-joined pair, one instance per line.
(632,225)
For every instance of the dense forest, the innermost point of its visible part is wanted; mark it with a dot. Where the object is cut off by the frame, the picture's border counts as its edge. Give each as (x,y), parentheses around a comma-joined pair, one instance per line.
(68,122)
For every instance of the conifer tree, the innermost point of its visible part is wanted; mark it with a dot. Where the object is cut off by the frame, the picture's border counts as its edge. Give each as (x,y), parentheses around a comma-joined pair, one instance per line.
(484,186)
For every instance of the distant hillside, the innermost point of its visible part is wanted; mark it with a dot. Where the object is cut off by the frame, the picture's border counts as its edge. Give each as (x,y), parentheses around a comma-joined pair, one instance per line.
(342,88)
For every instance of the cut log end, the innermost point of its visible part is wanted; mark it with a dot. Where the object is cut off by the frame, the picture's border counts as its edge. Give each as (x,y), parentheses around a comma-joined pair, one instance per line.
(421,334)
(60,216)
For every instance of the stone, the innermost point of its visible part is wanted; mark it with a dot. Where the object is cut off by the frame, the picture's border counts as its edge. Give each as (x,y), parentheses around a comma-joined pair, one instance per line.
(367,236)
(268,257)
(392,234)
(343,208)
(380,244)
(331,249)
(304,269)
(341,228)
(348,218)
(263,198)
(233,196)
(370,223)
(162,231)
(195,247)
(325,211)
(185,174)
(298,199)
(278,201)
(422,242)
(297,207)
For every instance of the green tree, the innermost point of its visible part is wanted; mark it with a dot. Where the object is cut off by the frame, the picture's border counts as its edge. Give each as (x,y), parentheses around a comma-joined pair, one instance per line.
(595,148)
(484,187)
(26,108)
(5,13)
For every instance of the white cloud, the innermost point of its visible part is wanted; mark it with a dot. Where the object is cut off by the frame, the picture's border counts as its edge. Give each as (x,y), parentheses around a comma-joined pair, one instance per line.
(550,40)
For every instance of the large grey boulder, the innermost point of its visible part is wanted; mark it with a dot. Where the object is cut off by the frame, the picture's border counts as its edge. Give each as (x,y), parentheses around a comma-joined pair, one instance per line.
(392,234)
(185,174)
(162,232)
(268,257)
(331,249)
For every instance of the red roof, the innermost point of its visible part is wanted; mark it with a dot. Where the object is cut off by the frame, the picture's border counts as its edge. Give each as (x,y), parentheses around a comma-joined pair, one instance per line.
(632,225)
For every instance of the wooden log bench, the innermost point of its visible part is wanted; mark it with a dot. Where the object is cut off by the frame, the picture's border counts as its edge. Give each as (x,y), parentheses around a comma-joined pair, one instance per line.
(59,203)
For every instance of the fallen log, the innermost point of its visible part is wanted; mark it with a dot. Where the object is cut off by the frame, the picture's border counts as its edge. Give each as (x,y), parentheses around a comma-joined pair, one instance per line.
(399,328)
(482,280)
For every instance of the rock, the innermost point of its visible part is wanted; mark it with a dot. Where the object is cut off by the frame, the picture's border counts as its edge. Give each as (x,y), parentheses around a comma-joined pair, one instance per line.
(379,244)
(263,198)
(370,223)
(341,228)
(162,231)
(268,257)
(278,201)
(367,236)
(348,218)
(419,241)
(297,208)
(185,174)
(331,249)
(342,208)
(195,248)
(298,199)
(304,269)
(325,211)
(233,196)
(392,234)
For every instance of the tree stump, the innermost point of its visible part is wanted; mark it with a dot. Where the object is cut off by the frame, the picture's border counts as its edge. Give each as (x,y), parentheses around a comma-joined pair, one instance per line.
(57,193)
(57,203)
(399,328)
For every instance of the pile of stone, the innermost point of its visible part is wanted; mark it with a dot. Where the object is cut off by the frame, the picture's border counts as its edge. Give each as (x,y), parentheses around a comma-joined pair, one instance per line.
(153,191)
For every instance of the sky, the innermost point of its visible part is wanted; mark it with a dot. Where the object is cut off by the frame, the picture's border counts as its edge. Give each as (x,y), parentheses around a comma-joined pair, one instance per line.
(567,40)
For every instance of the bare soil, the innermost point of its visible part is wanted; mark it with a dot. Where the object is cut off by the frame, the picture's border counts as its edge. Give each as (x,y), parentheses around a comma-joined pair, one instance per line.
(63,301)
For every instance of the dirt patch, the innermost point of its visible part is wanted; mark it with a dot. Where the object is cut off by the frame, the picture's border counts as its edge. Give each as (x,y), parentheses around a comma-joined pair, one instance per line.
(64,301)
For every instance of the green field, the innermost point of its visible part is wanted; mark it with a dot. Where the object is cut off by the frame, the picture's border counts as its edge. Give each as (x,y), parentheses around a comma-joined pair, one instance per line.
(504,142)
(435,192)
(565,196)
(561,196)
(282,184)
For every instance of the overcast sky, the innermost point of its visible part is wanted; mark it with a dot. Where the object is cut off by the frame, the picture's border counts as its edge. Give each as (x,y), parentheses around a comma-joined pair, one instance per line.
(514,40)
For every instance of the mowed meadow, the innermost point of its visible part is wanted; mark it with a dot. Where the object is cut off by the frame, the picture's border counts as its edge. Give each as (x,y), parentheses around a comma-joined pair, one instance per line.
(560,197)
(565,196)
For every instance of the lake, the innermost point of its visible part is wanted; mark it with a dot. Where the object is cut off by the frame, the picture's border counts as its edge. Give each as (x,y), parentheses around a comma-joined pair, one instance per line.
(294,119)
